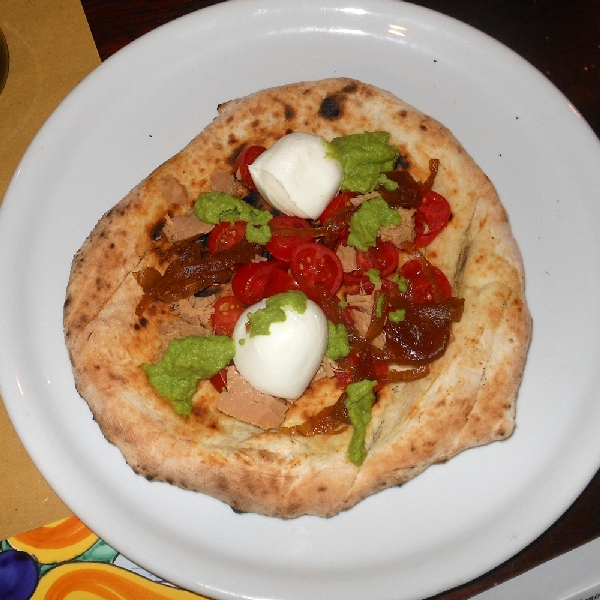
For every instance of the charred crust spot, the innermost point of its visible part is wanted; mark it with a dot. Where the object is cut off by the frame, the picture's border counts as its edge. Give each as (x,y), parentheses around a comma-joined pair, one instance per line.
(401,162)
(143,321)
(150,477)
(233,156)
(156,230)
(112,246)
(450,217)
(350,88)
(288,112)
(322,488)
(232,139)
(331,107)
(67,301)
(423,127)
(288,131)
(403,114)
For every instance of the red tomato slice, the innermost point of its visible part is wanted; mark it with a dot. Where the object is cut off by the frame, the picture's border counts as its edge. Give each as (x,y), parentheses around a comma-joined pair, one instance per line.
(254,281)
(430,218)
(340,201)
(246,157)
(383,257)
(281,246)
(225,235)
(278,281)
(315,269)
(219,380)
(420,287)
(228,310)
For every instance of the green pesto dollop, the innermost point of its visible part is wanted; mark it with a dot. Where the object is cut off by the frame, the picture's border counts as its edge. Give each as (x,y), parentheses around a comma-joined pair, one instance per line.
(187,361)
(365,157)
(397,315)
(368,219)
(216,207)
(261,320)
(400,281)
(338,344)
(359,403)
(379,306)
(374,275)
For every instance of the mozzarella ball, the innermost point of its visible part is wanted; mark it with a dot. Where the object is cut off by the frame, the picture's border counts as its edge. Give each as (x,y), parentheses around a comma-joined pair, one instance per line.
(297,176)
(283,362)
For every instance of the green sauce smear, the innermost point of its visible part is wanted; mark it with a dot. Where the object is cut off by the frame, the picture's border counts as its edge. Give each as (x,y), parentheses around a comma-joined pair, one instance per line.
(368,219)
(184,364)
(217,207)
(365,157)
(359,403)
(338,344)
(261,320)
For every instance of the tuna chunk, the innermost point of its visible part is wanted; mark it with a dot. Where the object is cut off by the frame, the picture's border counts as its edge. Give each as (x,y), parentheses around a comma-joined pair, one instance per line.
(241,401)
(184,227)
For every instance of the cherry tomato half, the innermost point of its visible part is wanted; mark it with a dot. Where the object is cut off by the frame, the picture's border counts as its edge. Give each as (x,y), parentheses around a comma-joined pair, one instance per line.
(228,310)
(430,218)
(219,380)
(383,257)
(340,201)
(420,287)
(254,281)
(316,269)
(246,157)
(225,235)
(281,246)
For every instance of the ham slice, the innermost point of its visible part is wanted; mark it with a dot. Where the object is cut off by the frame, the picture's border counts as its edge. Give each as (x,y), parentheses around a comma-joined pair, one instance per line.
(241,401)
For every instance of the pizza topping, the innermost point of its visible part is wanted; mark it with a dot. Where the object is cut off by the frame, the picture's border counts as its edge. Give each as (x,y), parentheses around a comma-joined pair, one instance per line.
(359,403)
(297,175)
(368,219)
(245,158)
(316,269)
(172,190)
(365,157)
(183,227)
(190,272)
(187,361)
(223,182)
(430,218)
(280,343)
(244,402)
(217,207)
(338,344)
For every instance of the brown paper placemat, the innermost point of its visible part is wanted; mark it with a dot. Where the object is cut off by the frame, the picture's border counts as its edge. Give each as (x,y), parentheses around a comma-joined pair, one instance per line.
(51,50)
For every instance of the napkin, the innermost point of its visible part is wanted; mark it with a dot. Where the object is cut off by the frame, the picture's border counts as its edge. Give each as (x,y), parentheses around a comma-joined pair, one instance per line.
(69,557)
(51,50)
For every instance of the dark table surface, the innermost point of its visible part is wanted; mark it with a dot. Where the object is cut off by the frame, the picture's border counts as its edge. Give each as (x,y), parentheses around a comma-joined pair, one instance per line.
(562,40)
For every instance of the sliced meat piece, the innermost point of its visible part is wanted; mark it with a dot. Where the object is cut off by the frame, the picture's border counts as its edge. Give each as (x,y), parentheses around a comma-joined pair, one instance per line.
(398,234)
(241,401)
(183,227)
(172,190)
(220,181)
(347,256)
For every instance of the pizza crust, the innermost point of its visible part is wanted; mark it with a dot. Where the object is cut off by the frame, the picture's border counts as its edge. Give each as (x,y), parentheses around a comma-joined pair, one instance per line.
(467,400)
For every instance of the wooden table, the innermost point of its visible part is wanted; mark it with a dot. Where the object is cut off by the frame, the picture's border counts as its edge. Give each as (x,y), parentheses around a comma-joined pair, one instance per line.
(562,40)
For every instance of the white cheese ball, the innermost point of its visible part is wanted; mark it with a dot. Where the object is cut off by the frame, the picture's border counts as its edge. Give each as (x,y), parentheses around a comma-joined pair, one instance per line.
(283,362)
(297,176)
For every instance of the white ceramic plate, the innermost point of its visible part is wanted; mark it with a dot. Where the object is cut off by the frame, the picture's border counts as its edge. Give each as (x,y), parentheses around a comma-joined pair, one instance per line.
(450,524)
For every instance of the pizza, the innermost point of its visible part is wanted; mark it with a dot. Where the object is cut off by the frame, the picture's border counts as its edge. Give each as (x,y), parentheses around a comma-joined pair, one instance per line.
(315,300)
